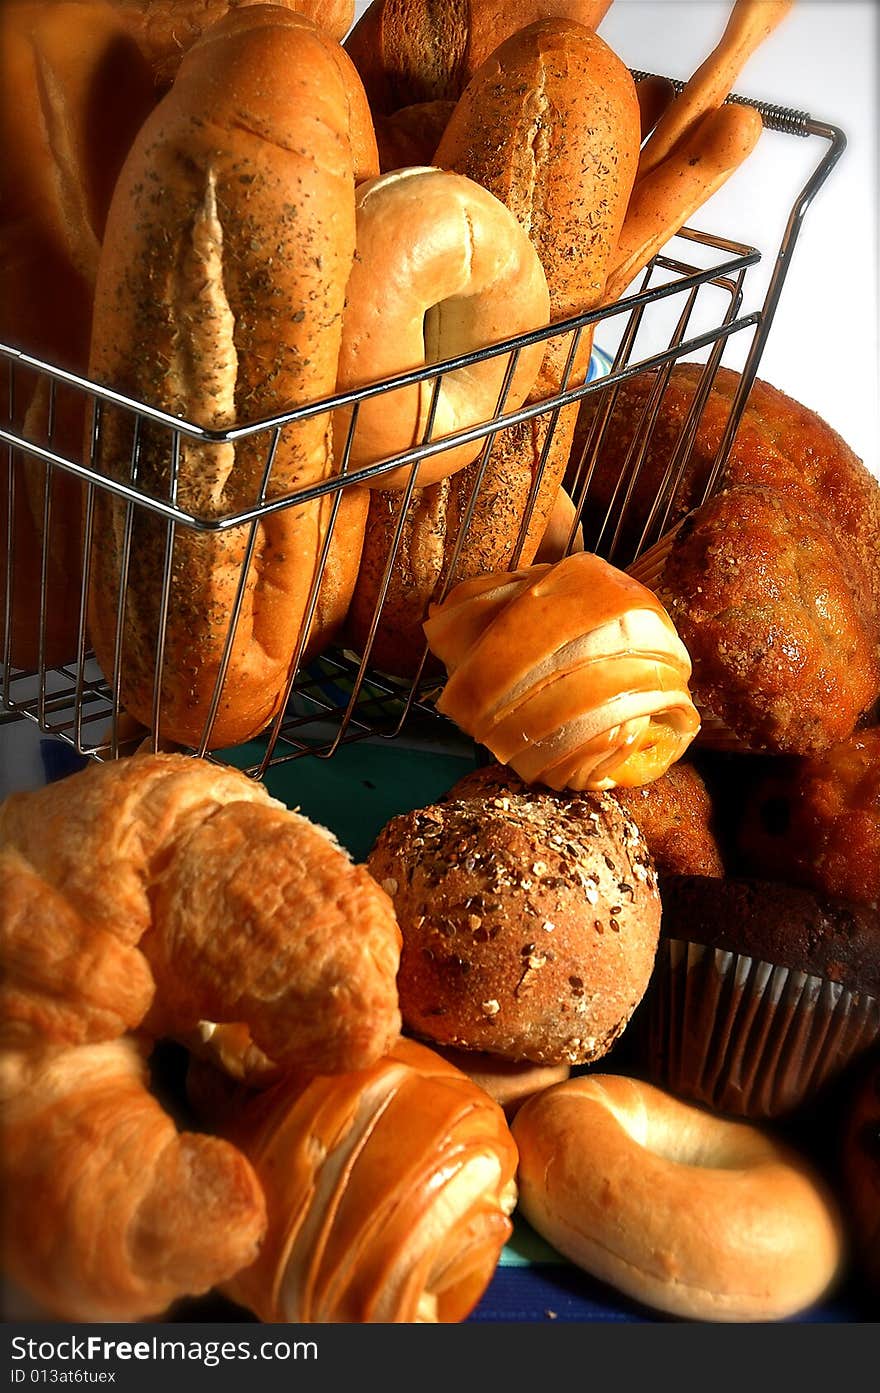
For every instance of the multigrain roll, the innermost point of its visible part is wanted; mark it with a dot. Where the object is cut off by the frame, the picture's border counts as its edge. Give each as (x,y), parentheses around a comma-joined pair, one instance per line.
(529,929)
(222,302)
(674,813)
(409,51)
(550,125)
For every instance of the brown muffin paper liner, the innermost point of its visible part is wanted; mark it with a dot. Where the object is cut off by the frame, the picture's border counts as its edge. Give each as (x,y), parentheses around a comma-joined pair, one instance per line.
(747,1037)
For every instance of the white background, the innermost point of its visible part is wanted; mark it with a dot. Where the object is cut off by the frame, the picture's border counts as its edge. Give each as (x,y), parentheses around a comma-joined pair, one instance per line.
(823,347)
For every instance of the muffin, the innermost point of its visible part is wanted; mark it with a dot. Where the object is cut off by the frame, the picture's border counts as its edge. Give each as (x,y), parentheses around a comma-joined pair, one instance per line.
(779,444)
(816,821)
(861,1172)
(776,614)
(673,813)
(761,995)
(529,928)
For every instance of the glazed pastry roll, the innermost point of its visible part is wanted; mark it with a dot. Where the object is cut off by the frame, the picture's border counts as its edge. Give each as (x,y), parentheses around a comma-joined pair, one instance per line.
(388,1193)
(573,674)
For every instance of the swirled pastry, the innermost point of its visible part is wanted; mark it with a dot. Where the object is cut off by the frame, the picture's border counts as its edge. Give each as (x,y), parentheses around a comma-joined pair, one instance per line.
(573,674)
(388,1193)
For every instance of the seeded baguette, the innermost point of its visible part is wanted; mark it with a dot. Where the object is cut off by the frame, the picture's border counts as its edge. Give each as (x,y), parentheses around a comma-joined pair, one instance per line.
(222,302)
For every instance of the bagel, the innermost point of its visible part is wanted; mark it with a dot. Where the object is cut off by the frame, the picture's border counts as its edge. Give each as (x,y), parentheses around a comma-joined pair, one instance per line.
(442,268)
(685,1211)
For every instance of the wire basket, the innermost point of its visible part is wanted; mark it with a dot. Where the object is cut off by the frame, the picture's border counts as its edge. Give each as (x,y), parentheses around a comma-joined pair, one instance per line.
(689,305)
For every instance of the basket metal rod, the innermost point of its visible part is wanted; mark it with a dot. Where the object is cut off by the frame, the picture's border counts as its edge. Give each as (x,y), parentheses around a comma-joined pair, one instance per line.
(669,486)
(128,525)
(165,595)
(94,435)
(244,572)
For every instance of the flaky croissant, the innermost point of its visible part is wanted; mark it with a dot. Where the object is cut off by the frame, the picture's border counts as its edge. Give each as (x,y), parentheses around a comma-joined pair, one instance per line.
(146,894)
(571,673)
(109,1213)
(388,1193)
(170,869)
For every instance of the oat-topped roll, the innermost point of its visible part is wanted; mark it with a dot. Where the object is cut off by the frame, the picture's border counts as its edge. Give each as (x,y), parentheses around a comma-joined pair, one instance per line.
(529,922)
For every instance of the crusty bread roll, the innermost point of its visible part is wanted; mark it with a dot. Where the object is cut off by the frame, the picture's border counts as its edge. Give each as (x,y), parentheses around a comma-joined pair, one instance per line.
(442,269)
(529,924)
(550,125)
(410,136)
(409,51)
(388,1193)
(167,29)
(687,1212)
(222,302)
(563,535)
(572,674)
(74,89)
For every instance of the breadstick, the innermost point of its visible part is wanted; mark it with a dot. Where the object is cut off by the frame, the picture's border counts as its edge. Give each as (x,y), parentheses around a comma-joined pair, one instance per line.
(655,94)
(750,23)
(663,201)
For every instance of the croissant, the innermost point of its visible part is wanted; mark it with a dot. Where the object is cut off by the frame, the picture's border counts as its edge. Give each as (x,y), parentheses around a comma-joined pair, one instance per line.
(388,1193)
(167,869)
(571,673)
(109,1213)
(146,894)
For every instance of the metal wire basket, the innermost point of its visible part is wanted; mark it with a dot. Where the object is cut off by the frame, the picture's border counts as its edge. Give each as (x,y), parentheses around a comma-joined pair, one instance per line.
(689,305)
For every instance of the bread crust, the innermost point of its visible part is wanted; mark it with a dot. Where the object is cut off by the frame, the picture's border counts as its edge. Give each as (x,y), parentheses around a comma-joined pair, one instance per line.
(167,29)
(689,1213)
(109,1212)
(74,89)
(412,51)
(190,316)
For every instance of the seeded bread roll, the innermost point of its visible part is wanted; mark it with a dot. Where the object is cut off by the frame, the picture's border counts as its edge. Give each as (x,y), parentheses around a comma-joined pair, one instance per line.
(673,813)
(529,928)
